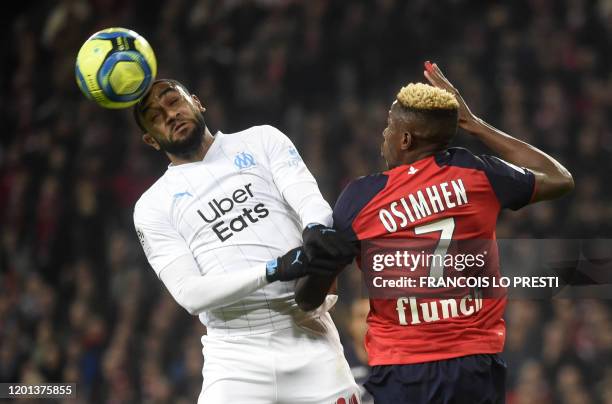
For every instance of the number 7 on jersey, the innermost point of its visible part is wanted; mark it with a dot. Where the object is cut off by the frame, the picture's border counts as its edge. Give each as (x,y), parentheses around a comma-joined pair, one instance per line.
(446,226)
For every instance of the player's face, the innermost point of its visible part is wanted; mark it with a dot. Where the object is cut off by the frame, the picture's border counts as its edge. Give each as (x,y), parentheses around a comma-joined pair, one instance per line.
(173,118)
(390,147)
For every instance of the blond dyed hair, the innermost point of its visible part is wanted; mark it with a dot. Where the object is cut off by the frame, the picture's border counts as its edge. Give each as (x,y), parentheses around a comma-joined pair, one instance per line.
(425,97)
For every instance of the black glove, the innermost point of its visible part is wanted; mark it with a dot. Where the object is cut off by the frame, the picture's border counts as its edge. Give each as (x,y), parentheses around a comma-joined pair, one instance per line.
(322,241)
(295,264)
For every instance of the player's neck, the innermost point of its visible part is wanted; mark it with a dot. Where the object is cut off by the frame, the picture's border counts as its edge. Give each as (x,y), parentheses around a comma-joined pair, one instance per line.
(418,155)
(197,155)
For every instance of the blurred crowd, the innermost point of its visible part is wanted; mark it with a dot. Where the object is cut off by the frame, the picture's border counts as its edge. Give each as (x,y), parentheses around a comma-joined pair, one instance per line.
(78,302)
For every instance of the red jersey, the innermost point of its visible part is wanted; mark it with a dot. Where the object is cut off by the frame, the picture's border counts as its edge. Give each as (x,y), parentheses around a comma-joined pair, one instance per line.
(442,200)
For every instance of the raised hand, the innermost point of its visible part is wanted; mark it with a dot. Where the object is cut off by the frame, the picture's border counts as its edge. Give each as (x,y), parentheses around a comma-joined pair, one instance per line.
(467,120)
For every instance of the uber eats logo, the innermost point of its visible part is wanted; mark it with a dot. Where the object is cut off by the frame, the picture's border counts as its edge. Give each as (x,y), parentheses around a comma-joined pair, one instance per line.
(218,208)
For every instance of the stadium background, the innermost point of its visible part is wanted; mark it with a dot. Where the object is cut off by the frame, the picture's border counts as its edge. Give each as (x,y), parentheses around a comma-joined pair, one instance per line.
(78,302)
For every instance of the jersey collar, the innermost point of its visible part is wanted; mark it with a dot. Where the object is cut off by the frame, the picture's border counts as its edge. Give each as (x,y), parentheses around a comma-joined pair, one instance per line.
(210,151)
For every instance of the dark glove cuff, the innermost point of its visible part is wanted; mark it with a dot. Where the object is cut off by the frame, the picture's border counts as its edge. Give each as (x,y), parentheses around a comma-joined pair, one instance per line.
(311,229)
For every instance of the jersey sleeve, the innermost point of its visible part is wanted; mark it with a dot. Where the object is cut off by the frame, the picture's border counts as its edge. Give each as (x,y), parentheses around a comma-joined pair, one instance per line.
(197,293)
(355,196)
(293,179)
(514,186)
(161,243)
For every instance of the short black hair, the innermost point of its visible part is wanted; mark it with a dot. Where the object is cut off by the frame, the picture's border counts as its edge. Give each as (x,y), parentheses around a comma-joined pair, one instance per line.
(138,106)
(437,126)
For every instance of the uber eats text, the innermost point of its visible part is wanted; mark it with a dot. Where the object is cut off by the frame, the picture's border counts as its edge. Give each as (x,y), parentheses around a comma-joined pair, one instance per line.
(218,208)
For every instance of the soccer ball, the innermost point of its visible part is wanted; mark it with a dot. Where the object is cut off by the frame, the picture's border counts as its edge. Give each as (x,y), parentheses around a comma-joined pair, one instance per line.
(115,67)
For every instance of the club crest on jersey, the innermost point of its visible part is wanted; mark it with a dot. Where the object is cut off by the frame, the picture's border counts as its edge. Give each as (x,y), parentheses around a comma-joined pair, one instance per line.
(244,160)
(294,157)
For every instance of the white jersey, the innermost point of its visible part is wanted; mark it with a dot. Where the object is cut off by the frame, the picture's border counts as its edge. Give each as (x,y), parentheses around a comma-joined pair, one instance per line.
(230,211)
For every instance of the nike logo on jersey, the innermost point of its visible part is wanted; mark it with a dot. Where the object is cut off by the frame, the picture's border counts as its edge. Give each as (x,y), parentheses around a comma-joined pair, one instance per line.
(412,170)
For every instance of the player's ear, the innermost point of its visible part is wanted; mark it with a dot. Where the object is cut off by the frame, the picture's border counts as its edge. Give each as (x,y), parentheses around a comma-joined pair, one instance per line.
(150,140)
(406,141)
(197,103)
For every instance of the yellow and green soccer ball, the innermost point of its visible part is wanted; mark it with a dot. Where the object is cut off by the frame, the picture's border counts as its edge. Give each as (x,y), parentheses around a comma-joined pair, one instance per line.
(115,67)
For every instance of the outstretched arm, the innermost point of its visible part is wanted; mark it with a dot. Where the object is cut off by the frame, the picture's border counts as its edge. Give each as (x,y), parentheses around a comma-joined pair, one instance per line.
(199,293)
(552,179)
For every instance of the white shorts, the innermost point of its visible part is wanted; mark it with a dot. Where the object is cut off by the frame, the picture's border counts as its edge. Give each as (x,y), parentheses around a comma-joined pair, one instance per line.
(301,364)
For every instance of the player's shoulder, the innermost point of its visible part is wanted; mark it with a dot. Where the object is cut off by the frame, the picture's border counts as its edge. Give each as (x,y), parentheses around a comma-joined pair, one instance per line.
(459,157)
(153,199)
(354,198)
(491,165)
(254,132)
(361,190)
(255,138)
(366,182)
